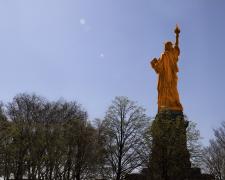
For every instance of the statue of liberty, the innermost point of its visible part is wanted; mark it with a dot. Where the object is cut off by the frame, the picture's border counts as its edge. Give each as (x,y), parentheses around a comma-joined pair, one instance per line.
(166,68)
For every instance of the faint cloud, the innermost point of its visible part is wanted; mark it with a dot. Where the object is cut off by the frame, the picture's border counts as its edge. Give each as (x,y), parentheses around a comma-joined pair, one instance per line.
(84,25)
(101,55)
(82,21)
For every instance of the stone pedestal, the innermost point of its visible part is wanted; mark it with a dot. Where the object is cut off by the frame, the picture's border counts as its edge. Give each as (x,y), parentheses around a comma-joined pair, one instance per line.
(169,158)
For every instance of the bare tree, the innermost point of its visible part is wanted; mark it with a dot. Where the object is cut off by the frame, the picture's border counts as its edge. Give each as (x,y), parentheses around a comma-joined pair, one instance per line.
(24,111)
(40,139)
(214,154)
(5,144)
(220,135)
(124,125)
(80,142)
(194,144)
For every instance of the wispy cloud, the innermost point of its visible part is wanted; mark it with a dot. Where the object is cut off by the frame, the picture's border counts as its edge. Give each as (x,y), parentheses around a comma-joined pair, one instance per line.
(101,55)
(82,21)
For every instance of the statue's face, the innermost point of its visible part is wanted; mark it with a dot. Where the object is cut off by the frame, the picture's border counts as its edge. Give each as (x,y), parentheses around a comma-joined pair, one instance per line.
(168,46)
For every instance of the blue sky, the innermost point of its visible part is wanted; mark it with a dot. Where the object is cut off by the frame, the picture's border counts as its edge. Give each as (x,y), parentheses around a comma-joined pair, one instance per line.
(94,50)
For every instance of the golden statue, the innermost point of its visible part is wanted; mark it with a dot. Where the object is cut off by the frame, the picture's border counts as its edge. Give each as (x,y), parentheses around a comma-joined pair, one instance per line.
(166,68)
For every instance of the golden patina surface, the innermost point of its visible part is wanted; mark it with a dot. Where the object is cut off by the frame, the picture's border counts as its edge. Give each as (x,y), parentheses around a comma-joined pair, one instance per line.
(166,68)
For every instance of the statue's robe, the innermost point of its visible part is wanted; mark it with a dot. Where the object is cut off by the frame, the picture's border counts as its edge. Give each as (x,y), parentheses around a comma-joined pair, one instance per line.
(166,68)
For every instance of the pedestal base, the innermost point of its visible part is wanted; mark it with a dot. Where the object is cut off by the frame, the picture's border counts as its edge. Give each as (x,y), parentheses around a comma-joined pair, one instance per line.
(193,174)
(169,157)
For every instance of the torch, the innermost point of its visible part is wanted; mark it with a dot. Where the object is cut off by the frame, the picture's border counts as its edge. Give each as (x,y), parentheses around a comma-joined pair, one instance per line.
(177,32)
